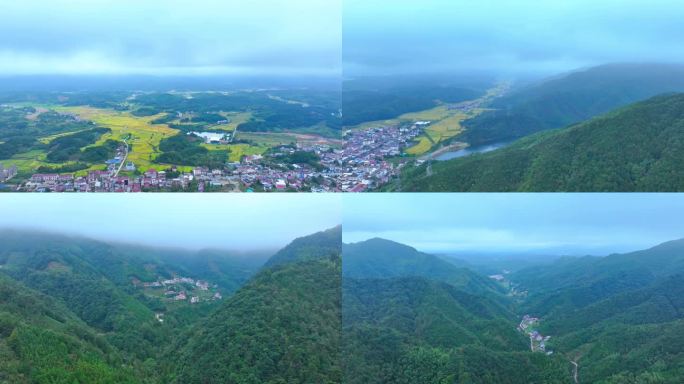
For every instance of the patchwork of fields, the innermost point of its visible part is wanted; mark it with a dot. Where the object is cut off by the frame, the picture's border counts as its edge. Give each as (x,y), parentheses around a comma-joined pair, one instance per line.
(138,132)
(144,138)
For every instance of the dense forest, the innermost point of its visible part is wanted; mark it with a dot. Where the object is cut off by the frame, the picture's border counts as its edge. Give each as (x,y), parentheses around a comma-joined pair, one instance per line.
(636,148)
(284,326)
(570,99)
(317,311)
(620,316)
(75,311)
(81,311)
(20,134)
(185,149)
(411,317)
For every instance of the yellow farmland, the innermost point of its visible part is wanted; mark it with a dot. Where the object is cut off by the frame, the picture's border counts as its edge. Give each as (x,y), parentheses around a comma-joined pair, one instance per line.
(139,132)
(438,132)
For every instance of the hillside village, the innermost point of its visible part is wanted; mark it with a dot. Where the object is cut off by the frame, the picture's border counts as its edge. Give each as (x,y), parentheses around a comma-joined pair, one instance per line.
(180,289)
(538,342)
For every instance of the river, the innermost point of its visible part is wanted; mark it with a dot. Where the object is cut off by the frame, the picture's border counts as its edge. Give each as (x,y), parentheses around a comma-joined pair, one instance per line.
(471,150)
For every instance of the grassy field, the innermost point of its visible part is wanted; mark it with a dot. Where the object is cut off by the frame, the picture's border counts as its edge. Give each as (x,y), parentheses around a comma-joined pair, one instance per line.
(236,118)
(27,162)
(238,150)
(141,134)
(48,139)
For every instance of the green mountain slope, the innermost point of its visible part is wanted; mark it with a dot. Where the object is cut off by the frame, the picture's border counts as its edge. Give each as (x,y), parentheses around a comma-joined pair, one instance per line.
(284,326)
(97,282)
(573,283)
(572,98)
(380,258)
(41,341)
(621,316)
(101,286)
(410,330)
(309,247)
(637,148)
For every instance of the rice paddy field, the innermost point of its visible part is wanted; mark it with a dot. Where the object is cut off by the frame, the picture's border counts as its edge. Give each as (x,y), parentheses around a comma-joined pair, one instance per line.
(138,131)
(438,132)
(144,138)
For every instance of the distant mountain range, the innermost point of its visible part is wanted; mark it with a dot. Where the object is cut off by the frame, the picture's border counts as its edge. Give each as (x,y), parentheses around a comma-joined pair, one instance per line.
(411,317)
(380,258)
(621,316)
(618,317)
(572,98)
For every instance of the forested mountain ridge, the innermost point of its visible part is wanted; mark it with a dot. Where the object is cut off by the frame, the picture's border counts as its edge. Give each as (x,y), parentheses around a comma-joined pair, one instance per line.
(380,258)
(86,311)
(41,341)
(572,98)
(620,316)
(573,283)
(636,148)
(284,326)
(316,246)
(408,317)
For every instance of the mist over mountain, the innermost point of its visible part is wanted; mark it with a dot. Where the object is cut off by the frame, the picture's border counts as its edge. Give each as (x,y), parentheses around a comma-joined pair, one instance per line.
(84,310)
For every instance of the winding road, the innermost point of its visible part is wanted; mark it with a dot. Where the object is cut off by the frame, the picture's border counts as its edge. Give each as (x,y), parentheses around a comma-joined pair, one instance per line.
(574,371)
(122,161)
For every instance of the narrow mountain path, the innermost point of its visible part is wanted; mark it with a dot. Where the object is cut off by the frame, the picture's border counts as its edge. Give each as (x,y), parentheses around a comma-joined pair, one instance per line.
(122,161)
(574,371)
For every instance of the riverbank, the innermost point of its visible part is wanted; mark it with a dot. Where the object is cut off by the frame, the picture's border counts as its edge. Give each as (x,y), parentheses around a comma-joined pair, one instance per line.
(455,147)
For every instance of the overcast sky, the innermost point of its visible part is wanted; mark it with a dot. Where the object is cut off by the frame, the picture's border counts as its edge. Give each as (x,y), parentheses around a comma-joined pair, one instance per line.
(559,224)
(507,36)
(177,37)
(193,221)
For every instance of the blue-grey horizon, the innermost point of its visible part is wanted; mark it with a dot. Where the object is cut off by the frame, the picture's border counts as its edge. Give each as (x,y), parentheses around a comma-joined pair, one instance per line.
(171,37)
(190,221)
(507,37)
(512,223)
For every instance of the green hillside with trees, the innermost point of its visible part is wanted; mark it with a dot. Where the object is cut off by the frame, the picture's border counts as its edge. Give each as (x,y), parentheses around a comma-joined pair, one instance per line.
(380,258)
(572,98)
(407,324)
(75,310)
(284,326)
(636,148)
(620,317)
